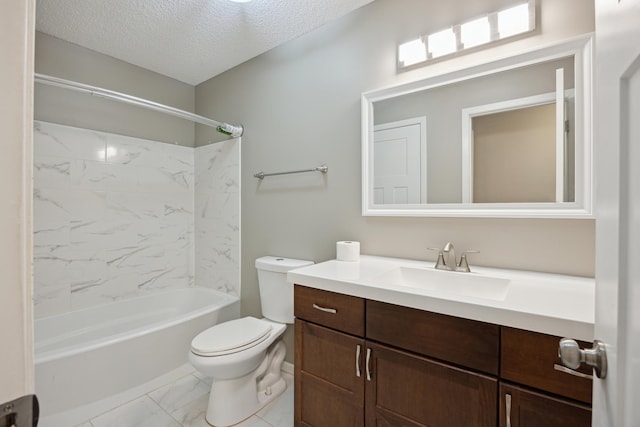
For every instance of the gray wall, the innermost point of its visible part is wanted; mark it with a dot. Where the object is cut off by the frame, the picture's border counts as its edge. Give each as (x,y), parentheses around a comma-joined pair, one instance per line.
(58,58)
(300,104)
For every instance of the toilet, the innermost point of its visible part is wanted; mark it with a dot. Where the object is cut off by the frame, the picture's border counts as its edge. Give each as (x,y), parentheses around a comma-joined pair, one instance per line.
(244,356)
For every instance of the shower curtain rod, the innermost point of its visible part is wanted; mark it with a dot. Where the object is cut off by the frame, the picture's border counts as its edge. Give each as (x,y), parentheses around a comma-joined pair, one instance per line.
(225,128)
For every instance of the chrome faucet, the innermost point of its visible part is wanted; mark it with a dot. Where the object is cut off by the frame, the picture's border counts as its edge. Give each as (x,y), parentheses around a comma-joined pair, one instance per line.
(450,263)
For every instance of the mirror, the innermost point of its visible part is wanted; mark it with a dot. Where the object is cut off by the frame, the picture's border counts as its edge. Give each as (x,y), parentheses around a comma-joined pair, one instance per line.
(510,138)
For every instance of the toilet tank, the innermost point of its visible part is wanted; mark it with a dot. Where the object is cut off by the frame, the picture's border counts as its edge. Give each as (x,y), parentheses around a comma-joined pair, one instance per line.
(276,294)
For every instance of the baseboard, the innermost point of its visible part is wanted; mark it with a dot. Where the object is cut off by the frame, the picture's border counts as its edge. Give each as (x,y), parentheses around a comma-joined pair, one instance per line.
(287,367)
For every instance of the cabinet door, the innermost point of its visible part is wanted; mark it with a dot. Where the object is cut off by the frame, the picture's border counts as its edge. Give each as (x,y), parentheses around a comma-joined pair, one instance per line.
(531,359)
(329,382)
(407,390)
(524,408)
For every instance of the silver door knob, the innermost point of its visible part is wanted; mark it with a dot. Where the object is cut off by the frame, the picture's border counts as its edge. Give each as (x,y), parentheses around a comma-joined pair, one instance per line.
(572,356)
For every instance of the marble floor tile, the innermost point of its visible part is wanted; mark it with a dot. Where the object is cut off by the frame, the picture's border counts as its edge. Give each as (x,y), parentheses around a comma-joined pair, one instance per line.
(183,403)
(142,412)
(279,413)
(254,422)
(193,413)
(203,378)
(179,393)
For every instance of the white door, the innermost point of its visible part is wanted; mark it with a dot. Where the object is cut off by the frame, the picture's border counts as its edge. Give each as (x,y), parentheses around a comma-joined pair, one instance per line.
(617,161)
(17,30)
(399,159)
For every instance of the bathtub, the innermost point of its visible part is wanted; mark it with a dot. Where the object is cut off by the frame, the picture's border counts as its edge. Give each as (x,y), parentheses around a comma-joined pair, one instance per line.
(88,355)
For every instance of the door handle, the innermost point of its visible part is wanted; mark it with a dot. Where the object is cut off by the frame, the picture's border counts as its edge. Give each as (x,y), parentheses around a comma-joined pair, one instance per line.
(368,364)
(358,361)
(572,356)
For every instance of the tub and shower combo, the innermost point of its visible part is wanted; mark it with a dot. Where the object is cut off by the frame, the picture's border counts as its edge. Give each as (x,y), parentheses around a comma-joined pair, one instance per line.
(137,207)
(88,355)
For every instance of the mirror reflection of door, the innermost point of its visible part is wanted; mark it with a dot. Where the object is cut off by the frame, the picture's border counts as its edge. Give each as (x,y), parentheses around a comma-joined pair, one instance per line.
(514,156)
(520,150)
(398,152)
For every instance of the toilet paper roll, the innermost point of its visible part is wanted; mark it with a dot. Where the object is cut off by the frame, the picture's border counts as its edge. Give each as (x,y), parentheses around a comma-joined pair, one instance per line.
(347,251)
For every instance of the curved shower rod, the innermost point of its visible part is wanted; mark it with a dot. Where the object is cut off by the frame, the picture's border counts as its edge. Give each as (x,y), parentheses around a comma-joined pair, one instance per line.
(225,128)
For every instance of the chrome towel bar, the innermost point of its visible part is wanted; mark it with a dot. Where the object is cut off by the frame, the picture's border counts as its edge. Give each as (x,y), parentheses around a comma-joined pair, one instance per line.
(323,169)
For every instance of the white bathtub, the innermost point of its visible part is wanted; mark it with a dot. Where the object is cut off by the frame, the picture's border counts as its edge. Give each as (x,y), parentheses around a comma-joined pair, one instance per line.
(88,355)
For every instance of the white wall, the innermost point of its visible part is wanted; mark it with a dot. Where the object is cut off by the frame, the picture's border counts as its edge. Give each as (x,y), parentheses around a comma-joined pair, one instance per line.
(16,111)
(300,104)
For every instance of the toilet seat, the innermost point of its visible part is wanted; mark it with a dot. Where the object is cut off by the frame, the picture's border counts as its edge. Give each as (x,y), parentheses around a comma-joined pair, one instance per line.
(231,337)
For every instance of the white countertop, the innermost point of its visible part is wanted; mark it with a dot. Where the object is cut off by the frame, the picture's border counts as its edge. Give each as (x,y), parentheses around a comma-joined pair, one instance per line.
(548,303)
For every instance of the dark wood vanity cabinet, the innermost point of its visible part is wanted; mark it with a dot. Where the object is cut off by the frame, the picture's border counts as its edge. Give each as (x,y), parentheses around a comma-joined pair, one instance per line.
(406,389)
(520,407)
(365,363)
(390,373)
(535,390)
(327,393)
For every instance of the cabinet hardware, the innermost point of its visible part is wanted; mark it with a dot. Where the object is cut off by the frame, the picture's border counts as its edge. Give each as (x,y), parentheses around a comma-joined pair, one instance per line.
(571,372)
(326,310)
(368,363)
(507,400)
(358,361)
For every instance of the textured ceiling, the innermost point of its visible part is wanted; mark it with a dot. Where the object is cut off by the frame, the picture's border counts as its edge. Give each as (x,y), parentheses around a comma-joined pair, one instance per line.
(189,40)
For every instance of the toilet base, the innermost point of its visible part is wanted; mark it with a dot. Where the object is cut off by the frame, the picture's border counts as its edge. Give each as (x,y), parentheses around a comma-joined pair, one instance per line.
(233,401)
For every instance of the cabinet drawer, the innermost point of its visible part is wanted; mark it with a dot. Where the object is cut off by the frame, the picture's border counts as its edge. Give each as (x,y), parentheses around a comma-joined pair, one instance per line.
(525,408)
(460,341)
(528,358)
(342,312)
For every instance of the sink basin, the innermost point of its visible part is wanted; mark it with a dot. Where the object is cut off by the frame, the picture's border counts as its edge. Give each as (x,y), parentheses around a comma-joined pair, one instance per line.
(450,282)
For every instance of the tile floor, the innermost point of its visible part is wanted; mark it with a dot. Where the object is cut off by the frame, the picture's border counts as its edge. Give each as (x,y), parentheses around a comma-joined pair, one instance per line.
(183,403)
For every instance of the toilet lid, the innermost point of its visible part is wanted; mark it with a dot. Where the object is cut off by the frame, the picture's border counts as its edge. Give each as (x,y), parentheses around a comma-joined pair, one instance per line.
(231,337)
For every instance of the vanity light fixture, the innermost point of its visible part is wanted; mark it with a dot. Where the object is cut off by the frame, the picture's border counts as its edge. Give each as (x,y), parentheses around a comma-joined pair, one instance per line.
(514,20)
(476,32)
(412,52)
(441,43)
(491,27)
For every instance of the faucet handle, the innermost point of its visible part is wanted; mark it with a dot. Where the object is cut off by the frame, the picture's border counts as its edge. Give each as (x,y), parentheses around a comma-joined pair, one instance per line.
(440,261)
(463,265)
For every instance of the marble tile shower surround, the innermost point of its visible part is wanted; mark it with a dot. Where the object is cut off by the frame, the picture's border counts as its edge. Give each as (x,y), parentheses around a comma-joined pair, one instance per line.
(114,217)
(217,216)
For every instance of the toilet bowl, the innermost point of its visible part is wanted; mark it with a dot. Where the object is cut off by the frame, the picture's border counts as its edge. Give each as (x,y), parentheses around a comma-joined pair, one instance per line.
(244,356)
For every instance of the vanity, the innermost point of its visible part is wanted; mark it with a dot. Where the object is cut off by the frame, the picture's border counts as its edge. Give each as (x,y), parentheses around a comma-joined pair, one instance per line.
(391,342)
(387,342)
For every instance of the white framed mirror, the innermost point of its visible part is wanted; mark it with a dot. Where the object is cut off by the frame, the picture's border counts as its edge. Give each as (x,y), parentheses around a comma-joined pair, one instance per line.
(506,138)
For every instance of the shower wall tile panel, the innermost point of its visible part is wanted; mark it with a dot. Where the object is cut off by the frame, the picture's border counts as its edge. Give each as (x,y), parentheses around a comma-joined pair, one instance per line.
(113,217)
(217,216)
